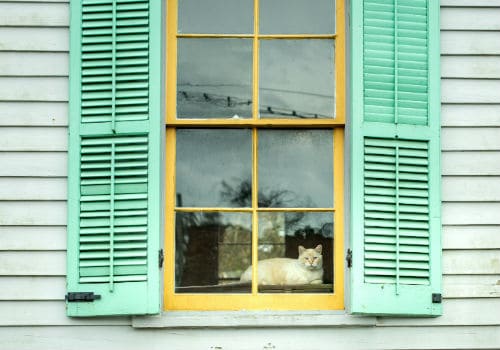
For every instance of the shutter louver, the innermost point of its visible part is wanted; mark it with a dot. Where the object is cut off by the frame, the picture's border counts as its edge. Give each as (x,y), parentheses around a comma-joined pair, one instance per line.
(395,160)
(114,156)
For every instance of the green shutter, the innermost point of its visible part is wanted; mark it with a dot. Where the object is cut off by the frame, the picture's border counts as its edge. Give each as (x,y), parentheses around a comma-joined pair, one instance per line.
(395,158)
(114,157)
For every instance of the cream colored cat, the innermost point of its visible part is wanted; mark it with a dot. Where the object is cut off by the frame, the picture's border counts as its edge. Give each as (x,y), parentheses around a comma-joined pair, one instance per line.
(307,269)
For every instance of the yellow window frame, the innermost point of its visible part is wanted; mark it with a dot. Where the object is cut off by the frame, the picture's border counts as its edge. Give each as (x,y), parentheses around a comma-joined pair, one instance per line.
(255,300)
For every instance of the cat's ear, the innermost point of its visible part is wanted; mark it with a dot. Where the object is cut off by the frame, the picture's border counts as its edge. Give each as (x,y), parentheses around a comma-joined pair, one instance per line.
(319,248)
(301,249)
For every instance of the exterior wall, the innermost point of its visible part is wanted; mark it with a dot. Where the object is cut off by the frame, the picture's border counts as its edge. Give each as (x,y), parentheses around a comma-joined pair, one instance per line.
(33,144)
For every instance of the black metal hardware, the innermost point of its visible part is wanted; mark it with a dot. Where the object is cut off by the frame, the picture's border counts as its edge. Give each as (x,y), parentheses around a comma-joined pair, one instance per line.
(348,258)
(437,298)
(85,297)
(161,257)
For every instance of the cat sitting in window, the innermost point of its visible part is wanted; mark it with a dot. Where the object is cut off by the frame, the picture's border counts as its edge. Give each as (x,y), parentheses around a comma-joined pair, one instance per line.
(306,269)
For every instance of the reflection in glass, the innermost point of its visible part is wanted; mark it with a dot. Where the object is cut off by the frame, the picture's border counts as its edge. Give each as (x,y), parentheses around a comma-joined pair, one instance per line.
(295,168)
(211,252)
(214,78)
(296,79)
(280,235)
(210,162)
(297,16)
(216,16)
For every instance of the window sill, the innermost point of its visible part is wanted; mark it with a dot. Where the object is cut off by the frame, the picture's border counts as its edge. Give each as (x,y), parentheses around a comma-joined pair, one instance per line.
(251,319)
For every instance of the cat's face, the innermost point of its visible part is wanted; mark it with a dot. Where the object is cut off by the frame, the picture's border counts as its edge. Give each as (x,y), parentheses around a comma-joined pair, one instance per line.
(311,258)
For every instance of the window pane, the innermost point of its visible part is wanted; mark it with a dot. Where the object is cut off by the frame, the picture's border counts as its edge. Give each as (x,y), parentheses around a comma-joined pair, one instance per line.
(216,16)
(214,167)
(296,168)
(211,252)
(297,16)
(296,79)
(280,235)
(214,78)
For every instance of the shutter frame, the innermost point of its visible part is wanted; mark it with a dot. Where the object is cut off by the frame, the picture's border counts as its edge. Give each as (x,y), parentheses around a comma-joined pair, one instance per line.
(367,297)
(137,150)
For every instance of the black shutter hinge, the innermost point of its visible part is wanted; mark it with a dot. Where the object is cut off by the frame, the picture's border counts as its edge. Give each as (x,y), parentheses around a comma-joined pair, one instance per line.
(86,297)
(161,257)
(436,298)
(348,258)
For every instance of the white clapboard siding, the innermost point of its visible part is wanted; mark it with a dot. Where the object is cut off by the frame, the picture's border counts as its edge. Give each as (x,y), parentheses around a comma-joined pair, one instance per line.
(471,213)
(471,188)
(470,90)
(38,213)
(33,188)
(29,164)
(48,313)
(33,14)
(471,262)
(456,312)
(32,263)
(470,18)
(471,286)
(470,114)
(34,89)
(126,338)
(34,139)
(34,39)
(470,43)
(486,67)
(470,139)
(471,237)
(470,163)
(32,238)
(34,63)
(32,287)
(25,113)
(470,3)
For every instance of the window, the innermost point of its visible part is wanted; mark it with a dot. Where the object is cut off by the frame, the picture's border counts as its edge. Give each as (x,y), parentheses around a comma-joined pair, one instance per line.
(255,122)
(243,151)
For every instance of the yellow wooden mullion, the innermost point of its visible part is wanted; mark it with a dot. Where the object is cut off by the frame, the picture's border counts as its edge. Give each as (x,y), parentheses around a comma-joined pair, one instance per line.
(255,218)
(280,123)
(258,36)
(339,64)
(171,45)
(338,216)
(169,249)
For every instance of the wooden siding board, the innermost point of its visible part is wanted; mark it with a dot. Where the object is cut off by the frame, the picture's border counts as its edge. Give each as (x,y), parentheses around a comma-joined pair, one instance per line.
(471,188)
(470,43)
(472,115)
(470,163)
(456,312)
(470,18)
(482,67)
(49,313)
(53,89)
(32,263)
(470,139)
(34,64)
(29,238)
(471,213)
(33,113)
(37,213)
(470,3)
(34,39)
(470,90)
(126,338)
(33,164)
(34,14)
(471,237)
(32,287)
(471,262)
(34,139)
(471,286)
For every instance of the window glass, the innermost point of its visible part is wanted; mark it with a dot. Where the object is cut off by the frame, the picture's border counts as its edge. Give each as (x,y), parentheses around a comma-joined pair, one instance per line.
(287,16)
(295,168)
(211,251)
(213,166)
(214,78)
(296,79)
(216,16)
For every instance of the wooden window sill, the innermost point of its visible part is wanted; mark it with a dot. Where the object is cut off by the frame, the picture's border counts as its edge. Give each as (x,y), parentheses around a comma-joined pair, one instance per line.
(251,319)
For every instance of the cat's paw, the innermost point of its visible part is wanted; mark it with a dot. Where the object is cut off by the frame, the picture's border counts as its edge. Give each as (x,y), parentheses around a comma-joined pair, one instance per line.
(316,282)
